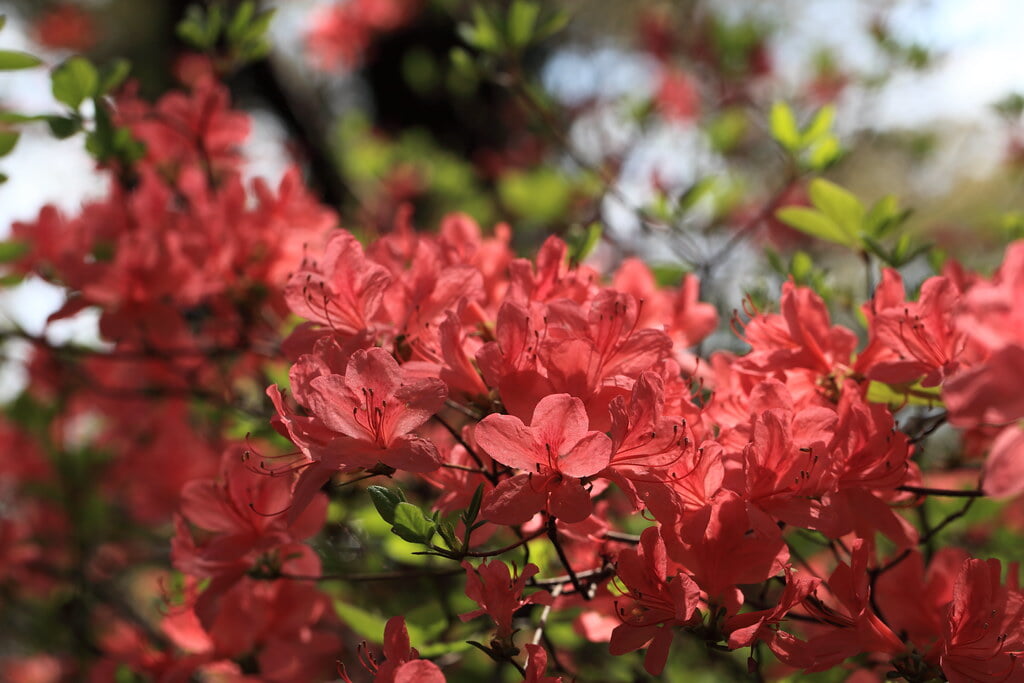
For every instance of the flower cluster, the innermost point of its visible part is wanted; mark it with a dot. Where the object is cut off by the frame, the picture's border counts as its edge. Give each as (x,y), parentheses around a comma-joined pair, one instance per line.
(586,398)
(571,449)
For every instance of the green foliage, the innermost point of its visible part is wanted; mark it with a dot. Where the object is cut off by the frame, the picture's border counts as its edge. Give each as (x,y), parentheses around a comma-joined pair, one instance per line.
(75,81)
(800,268)
(8,139)
(64,126)
(412,525)
(106,142)
(540,195)
(1010,107)
(12,60)
(12,250)
(524,23)
(899,395)
(201,27)
(386,500)
(814,146)
(113,75)
(839,217)
(583,241)
(727,129)
(448,181)
(242,34)
(407,521)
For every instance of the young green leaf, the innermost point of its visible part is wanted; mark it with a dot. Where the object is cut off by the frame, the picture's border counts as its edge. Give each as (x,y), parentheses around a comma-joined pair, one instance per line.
(8,139)
(12,250)
(386,500)
(696,192)
(410,524)
(824,153)
(522,18)
(784,127)
(239,23)
(113,75)
(75,81)
(482,33)
(820,125)
(801,267)
(11,60)
(447,532)
(838,204)
(552,25)
(583,244)
(815,224)
(64,126)
(898,396)
(469,516)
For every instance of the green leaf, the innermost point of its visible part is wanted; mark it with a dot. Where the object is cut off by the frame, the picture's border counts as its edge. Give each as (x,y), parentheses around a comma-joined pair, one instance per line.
(581,246)
(12,60)
(240,21)
(904,394)
(775,261)
(469,516)
(420,70)
(365,624)
(784,127)
(820,125)
(8,139)
(553,25)
(371,627)
(64,126)
(411,525)
(937,258)
(250,42)
(447,532)
(191,33)
(815,224)
(386,500)
(884,216)
(75,81)
(482,33)
(522,18)
(113,75)
(801,267)
(462,62)
(259,26)
(200,28)
(840,205)
(13,117)
(824,153)
(540,196)
(12,250)
(3,21)
(728,129)
(694,193)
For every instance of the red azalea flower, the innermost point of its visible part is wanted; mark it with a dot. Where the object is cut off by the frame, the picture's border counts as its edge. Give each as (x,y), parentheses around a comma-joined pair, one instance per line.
(500,593)
(401,661)
(536,665)
(358,419)
(984,633)
(67,27)
(556,450)
(663,597)
(342,290)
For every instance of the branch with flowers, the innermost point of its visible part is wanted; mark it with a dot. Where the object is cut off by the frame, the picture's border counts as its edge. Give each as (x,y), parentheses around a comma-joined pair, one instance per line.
(498,463)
